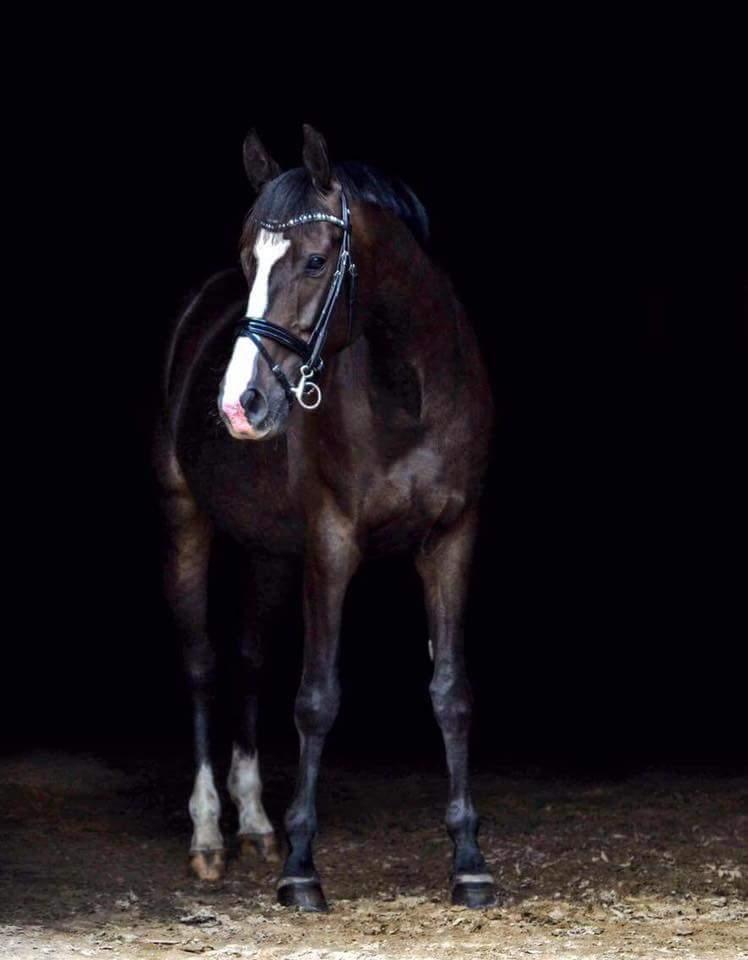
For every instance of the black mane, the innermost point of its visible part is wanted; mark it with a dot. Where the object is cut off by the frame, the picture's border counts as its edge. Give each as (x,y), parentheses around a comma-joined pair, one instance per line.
(292,194)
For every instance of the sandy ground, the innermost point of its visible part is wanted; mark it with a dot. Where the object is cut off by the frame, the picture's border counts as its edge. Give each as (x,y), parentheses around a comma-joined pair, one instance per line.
(94,865)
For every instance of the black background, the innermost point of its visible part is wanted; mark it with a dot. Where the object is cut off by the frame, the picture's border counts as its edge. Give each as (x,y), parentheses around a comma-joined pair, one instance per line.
(591,211)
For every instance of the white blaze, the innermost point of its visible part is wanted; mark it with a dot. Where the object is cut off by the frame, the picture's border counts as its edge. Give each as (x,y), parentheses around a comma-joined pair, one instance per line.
(240,371)
(269,248)
(245,788)
(205,809)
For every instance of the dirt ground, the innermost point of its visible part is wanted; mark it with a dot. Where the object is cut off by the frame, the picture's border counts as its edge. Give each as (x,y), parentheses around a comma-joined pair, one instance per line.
(94,865)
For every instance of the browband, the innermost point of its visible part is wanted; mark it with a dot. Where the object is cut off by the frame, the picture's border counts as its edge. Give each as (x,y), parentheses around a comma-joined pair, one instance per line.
(302,218)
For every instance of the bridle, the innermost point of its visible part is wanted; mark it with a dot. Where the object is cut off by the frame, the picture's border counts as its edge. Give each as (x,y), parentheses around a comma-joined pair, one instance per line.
(306,391)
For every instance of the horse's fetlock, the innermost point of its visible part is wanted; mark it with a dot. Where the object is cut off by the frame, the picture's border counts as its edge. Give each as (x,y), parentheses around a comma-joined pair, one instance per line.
(300,825)
(461,818)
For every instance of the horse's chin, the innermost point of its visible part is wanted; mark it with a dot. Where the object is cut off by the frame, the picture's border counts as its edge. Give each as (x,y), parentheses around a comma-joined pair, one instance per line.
(245,431)
(248,433)
(239,428)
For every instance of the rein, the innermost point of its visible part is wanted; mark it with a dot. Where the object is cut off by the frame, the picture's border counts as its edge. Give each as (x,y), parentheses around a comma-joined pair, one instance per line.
(306,392)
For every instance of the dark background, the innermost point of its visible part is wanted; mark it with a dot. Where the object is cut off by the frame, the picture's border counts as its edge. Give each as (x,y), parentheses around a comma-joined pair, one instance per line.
(592,215)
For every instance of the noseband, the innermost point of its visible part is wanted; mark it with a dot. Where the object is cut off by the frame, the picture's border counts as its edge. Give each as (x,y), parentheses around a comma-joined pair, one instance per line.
(306,391)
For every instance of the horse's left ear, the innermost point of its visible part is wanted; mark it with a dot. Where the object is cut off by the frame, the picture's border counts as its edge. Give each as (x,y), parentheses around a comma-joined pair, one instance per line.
(316,160)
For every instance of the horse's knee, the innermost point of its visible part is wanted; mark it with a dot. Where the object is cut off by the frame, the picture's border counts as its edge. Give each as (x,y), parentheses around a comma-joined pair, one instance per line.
(452,705)
(317,706)
(199,665)
(250,663)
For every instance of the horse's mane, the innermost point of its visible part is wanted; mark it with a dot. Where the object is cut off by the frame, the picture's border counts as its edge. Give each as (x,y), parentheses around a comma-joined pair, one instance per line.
(292,194)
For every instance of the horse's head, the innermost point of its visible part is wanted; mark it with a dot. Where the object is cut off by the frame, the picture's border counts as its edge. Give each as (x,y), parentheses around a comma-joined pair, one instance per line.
(295,254)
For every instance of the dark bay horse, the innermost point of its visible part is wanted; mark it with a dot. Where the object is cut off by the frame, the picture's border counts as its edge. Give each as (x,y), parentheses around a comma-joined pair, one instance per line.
(327,403)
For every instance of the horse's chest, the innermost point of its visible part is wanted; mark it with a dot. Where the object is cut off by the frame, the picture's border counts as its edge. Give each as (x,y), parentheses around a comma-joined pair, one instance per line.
(243,488)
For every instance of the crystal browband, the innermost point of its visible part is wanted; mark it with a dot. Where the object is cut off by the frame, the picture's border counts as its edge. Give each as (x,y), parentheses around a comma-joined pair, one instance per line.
(302,218)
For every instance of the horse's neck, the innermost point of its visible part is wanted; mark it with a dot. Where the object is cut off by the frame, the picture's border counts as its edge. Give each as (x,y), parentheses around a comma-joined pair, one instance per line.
(413,373)
(414,318)
(415,349)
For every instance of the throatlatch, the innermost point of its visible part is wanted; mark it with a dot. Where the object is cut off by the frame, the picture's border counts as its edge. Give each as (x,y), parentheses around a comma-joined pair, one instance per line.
(306,391)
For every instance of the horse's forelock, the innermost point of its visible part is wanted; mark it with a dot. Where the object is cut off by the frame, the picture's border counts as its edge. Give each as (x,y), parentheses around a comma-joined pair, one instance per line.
(289,195)
(292,193)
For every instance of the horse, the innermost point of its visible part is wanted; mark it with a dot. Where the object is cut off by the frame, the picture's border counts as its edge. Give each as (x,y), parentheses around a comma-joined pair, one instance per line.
(325,403)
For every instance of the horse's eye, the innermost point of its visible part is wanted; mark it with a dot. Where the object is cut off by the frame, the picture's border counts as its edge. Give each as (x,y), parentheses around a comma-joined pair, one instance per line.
(315,263)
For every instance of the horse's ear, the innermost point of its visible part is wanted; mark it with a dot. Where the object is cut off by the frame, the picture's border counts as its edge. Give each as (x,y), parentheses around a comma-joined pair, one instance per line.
(260,166)
(316,160)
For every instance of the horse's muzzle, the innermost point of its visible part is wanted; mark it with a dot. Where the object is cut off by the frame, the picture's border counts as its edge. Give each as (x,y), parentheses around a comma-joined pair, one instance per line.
(240,424)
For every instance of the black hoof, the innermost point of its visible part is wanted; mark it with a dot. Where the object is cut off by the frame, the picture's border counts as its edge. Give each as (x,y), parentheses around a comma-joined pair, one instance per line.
(474,895)
(306,895)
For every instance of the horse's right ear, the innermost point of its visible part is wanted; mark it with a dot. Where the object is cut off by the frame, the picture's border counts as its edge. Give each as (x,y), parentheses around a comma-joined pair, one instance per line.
(316,160)
(260,166)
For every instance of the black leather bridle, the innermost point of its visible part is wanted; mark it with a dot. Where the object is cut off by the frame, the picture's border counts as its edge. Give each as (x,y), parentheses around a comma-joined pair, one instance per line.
(306,391)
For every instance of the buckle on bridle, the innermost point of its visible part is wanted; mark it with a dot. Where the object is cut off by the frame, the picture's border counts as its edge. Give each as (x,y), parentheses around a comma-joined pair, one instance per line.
(306,391)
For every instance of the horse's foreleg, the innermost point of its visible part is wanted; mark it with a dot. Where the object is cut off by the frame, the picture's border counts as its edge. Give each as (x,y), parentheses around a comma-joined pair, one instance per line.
(256,833)
(188,552)
(332,558)
(443,564)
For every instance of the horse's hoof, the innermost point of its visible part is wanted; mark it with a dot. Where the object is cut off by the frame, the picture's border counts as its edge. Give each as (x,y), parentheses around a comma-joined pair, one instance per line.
(304,893)
(208,864)
(474,890)
(264,845)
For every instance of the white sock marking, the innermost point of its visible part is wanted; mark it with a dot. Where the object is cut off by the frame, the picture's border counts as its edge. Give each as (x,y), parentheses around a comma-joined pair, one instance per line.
(205,809)
(245,787)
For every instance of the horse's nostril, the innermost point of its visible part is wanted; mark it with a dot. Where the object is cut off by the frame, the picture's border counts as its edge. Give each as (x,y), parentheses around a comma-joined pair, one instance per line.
(255,405)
